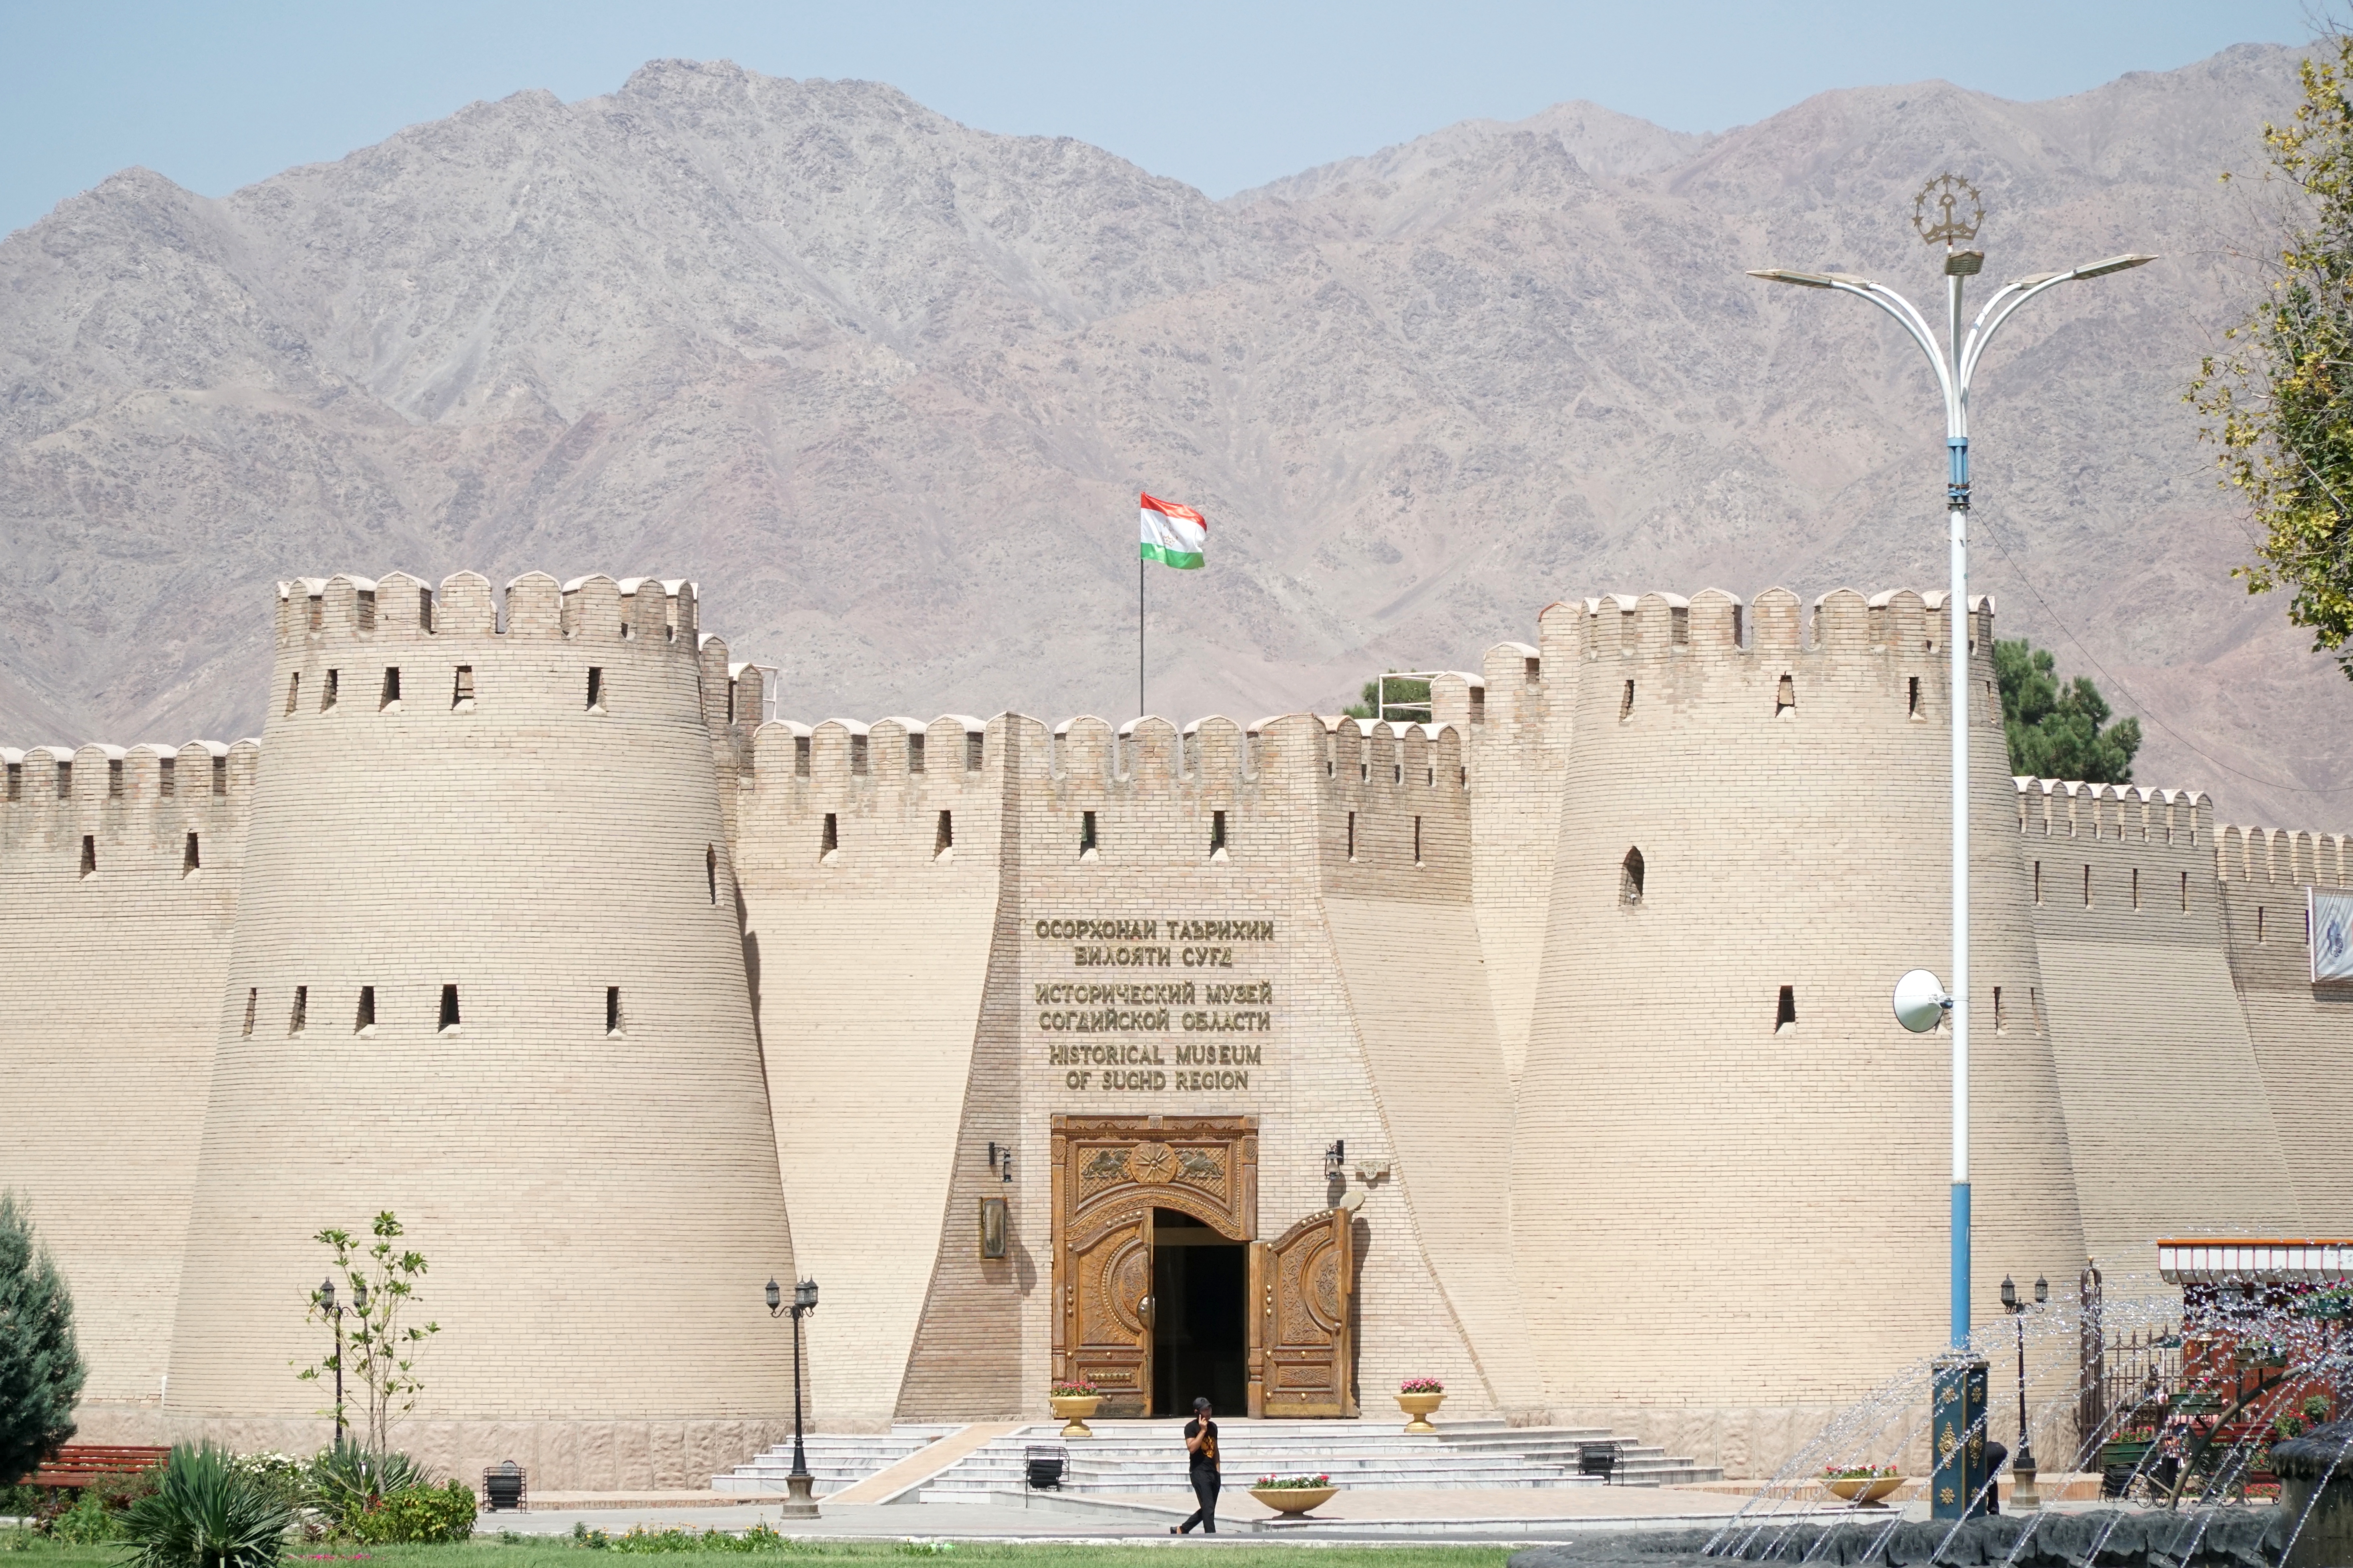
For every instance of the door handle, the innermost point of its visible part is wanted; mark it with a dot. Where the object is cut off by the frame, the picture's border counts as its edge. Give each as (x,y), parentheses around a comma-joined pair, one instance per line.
(1144,1310)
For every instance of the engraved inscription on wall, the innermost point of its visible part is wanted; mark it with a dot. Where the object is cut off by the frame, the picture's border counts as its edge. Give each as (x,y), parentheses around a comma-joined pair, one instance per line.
(1124,1033)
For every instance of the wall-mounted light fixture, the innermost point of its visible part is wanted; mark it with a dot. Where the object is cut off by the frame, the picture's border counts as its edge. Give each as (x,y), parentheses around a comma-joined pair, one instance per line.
(1335,1157)
(1001,1159)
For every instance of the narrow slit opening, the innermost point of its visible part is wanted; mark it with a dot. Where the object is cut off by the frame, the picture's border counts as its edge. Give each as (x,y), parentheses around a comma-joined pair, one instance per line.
(252,1005)
(331,691)
(1086,833)
(191,859)
(943,836)
(462,689)
(1785,1011)
(293,690)
(1912,709)
(858,756)
(451,1017)
(711,869)
(1417,841)
(1630,878)
(167,780)
(298,1017)
(800,756)
(114,778)
(915,754)
(364,1018)
(612,1010)
(1216,832)
(88,854)
(1626,703)
(1352,835)
(831,838)
(390,701)
(1785,699)
(220,775)
(595,689)
(972,754)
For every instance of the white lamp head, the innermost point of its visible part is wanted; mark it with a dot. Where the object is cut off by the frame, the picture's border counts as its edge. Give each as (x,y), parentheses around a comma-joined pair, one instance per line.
(1920,1001)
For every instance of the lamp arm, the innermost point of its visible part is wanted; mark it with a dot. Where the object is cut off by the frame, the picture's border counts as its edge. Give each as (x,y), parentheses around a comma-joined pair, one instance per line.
(1997,310)
(1897,306)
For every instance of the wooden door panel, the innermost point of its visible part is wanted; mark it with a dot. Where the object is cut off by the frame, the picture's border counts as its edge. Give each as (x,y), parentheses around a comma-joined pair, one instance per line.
(1109,1336)
(1301,1350)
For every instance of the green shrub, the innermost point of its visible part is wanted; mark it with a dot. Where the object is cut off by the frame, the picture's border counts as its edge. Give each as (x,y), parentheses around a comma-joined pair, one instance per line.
(346,1481)
(89,1522)
(417,1514)
(205,1513)
(21,1501)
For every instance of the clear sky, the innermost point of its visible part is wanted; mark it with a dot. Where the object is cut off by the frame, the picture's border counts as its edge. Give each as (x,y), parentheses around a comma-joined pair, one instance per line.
(1223,94)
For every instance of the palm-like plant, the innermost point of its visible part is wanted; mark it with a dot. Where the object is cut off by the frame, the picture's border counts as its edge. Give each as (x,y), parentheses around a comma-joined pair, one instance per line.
(205,1513)
(346,1480)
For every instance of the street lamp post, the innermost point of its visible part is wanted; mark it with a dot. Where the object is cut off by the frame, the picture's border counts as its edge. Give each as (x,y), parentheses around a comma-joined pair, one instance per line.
(332,1310)
(2023,1497)
(798,1501)
(1947,209)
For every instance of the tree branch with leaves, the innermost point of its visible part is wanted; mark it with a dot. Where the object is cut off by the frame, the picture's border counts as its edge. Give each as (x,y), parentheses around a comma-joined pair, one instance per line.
(373,1344)
(2278,397)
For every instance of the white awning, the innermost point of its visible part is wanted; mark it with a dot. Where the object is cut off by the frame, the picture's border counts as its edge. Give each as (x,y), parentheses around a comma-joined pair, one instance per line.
(2203,1260)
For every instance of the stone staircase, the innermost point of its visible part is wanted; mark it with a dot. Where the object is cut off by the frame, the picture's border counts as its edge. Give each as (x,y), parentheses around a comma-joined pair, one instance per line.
(1144,1458)
(1138,1458)
(836,1459)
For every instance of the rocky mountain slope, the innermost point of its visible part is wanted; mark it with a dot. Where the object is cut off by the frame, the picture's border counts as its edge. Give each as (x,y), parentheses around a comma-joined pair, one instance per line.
(886,385)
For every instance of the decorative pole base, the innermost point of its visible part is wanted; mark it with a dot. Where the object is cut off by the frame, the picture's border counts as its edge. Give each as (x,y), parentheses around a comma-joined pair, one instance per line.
(799,1503)
(2023,1498)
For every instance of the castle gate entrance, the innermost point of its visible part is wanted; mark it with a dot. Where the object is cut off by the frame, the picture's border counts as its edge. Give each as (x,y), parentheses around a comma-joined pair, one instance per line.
(1162,1289)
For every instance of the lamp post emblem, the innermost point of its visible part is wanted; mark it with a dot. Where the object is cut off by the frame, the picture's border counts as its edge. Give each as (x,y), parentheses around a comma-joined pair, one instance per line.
(1936,211)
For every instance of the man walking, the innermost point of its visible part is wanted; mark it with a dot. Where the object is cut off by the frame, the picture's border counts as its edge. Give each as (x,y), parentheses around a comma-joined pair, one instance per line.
(1201,1452)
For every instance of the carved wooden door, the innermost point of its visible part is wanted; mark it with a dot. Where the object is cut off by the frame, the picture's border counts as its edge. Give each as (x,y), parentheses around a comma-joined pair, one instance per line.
(1109,1334)
(1301,1355)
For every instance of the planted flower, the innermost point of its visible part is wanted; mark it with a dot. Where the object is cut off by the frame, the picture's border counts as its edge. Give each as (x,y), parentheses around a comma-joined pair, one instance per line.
(1075,1388)
(1421,1385)
(1858,1472)
(1293,1483)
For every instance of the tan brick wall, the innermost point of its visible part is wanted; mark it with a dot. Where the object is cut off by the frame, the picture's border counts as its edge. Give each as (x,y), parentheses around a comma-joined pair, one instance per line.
(2301,1034)
(1705,1204)
(2157,1069)
(114,985)
(600,1210)
(873,957)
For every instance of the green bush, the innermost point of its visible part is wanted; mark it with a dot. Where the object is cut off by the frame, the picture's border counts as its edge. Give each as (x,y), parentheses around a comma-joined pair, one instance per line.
(40,1367)
(417,1514)
(346,1481)
(205,1513)
(89,1522)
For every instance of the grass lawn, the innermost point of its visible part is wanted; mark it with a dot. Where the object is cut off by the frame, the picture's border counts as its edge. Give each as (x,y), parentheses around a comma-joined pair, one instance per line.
(30,1551)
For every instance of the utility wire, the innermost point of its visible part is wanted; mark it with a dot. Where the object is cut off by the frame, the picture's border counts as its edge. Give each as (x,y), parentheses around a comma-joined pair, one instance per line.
(2118,686)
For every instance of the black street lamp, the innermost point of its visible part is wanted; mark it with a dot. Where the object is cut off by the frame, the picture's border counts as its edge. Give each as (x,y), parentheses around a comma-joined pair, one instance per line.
(332,1310)
(798,1501)
(2023,1495)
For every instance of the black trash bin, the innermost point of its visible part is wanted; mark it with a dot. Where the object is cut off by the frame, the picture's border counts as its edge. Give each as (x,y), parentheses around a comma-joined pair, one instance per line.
(502,1488)
(1046,1466)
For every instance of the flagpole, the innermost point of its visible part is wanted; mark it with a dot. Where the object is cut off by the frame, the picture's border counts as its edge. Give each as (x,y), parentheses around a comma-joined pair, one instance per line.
(1139,634)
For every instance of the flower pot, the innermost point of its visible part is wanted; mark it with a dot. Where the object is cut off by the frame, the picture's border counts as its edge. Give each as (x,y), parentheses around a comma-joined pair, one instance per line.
(1863,1491)
(1420,1406)
(1073,1410)
(1295,1500)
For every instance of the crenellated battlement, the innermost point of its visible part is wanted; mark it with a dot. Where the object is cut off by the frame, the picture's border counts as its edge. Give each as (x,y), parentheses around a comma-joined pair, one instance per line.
(102,782)
(1897,622)
(2121,814)
(398,608)
(2281,855)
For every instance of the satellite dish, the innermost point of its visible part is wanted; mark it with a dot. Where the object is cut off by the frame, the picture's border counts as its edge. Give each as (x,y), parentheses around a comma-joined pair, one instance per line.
(1920,1001)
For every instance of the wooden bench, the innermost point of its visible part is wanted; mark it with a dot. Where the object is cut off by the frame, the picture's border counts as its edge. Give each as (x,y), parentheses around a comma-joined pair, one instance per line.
(79,1464)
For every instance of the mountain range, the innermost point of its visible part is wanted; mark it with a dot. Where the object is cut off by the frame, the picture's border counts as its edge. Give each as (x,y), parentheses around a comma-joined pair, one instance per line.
(887,385)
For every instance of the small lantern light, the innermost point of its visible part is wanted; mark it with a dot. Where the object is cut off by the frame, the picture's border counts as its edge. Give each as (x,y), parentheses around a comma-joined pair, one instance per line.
(327,1294)
(359,1296)
(2042,1290)
(804,1295)
(2008,1295)
(775,1295)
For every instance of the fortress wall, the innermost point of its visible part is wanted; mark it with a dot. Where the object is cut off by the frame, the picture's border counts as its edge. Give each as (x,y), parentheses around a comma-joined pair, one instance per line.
(2155,1059)
(873,956)
(1704,1196)
(2301,1034)
(1405,934)
(1256,1024)
(1517,742)
(111,959)
(599,1205)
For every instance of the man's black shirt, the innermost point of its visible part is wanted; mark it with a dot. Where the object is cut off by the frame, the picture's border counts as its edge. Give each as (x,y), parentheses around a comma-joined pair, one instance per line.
(1206,1456)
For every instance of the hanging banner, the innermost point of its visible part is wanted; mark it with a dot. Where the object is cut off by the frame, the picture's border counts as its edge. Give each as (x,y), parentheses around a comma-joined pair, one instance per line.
(2328,915)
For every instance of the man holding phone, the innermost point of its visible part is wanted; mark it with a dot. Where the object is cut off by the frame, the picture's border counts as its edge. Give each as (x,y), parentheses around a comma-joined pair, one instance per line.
(1201,1453)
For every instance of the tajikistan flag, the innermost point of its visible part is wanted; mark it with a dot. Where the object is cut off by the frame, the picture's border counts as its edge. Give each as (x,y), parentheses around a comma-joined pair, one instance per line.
(1174,535)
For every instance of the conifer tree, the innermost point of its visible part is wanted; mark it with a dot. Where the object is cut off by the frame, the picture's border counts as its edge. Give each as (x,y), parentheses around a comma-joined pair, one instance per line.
(40,1367)
(2055,727)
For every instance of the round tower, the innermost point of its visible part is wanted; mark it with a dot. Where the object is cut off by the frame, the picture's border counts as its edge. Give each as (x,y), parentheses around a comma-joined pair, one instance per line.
(1733,1163)
(487,974)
